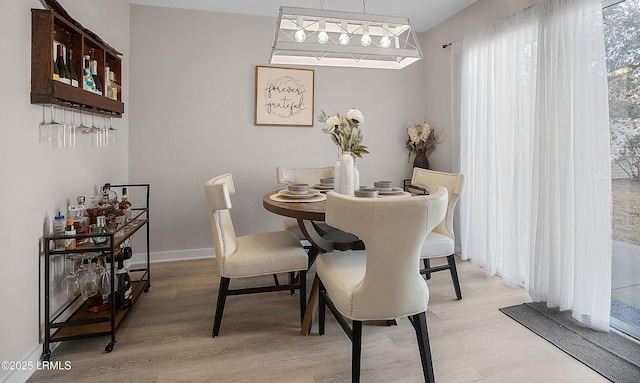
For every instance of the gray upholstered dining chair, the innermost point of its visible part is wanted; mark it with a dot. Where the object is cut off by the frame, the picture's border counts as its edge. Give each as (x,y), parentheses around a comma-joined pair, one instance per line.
(441,241)
(382,282)
(250,255)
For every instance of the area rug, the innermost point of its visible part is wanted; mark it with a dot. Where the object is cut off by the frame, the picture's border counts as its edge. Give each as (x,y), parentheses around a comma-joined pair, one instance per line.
(611,355)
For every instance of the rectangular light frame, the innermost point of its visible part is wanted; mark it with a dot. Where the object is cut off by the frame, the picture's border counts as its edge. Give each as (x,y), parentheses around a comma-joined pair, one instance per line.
(404,48)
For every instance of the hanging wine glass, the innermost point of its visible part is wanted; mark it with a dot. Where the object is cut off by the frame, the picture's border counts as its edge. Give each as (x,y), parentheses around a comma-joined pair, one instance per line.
(113,137)
(70,284)
(88,279)
(104,275)
(61,132)
(71,131)
(82,128)
(96,134)
(45,128)
(57,130)
(105,132)
(54,121)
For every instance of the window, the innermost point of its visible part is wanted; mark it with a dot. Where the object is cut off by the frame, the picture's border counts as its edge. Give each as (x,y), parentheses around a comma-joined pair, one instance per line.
(622,40)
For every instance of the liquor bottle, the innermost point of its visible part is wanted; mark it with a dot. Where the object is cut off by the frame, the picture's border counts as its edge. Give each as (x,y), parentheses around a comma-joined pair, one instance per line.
(71,69)
(101,228)
(94,74)
(80,219)
(106,209)
(70,243)
(125,205)
(87,78)
(124,290)
(115,88)
(107,83)
(113,196)
(63,73)
(58,230)
(92,210)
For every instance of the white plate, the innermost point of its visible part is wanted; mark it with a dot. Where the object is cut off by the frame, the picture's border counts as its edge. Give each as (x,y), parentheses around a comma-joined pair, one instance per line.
(281,198)
(322,187)
(288,194)
(393,191)
(394,195)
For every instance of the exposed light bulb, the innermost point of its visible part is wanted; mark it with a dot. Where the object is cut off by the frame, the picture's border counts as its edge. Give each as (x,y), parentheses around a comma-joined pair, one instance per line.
(343,39)
(365,40)
(385,42)
(300,36)
(323,38)
(344,36)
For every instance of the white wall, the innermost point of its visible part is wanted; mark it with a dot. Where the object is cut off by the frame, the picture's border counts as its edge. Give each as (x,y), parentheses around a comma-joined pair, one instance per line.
(192,112)
(38,180)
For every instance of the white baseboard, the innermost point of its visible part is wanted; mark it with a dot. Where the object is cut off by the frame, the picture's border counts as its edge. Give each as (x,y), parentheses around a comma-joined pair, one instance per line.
(174,255)
(33,358)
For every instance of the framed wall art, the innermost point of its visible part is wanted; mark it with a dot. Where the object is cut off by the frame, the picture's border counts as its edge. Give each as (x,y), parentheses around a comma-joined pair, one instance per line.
(284,96)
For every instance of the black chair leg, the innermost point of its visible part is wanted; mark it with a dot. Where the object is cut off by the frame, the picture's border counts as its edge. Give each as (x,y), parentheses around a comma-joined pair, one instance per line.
(419,322)
(427,265)
(321,308)
(222,297)
(356,351)
(454,275)
(275,279)
(302,276)
(292,280)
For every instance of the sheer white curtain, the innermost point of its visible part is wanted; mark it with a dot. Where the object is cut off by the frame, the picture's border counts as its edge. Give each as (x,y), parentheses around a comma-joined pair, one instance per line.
(531,110)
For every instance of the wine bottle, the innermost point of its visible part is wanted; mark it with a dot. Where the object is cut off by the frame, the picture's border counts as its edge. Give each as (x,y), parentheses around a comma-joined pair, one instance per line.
(114,86)
(107,84)
(125,205)
(87,78)
(71,69)
(62,67)
(94,74)
(124,290)
(56,75)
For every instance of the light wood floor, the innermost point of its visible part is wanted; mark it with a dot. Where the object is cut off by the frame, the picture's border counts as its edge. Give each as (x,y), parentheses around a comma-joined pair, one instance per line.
(167,338)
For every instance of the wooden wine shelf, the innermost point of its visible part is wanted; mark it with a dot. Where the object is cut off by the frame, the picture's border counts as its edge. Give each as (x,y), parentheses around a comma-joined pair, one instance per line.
(47,27)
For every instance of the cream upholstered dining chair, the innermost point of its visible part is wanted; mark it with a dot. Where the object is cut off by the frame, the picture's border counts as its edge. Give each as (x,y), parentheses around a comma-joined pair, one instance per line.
(441,241)
(309,176)
(382,282)
(250,255)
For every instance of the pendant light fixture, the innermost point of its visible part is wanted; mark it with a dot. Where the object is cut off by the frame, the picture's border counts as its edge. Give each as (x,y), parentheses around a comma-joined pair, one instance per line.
(321,37)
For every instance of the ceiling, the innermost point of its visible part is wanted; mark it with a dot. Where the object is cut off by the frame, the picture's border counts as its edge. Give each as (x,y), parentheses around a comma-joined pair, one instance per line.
(423,14)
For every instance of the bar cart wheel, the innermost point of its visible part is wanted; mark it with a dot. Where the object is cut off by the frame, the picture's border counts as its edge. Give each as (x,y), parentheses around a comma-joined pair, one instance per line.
(146,289)
(46,356)
(109,347)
